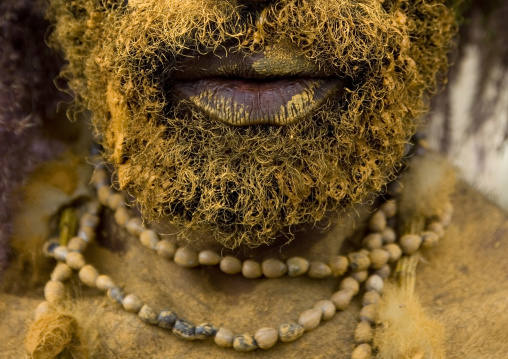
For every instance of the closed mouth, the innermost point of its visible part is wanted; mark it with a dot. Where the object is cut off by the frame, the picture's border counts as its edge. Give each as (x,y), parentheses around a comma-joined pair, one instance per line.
(244,90)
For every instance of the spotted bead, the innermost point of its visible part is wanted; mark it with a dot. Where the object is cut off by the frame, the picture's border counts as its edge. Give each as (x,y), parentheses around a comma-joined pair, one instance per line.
(359,261)
(184,329)
(244,343)
(204,331)
(167,319)
(148,315)
(116,294)
(290,332)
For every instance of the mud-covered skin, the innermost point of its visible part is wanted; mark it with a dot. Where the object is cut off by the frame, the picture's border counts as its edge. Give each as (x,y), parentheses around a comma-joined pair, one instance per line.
(247,185)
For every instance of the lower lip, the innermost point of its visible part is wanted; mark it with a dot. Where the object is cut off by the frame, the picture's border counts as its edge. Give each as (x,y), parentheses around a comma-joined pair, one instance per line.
(240,102)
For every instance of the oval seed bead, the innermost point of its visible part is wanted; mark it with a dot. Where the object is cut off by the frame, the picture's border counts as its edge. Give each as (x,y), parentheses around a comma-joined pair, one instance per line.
(244,343)
(273,268)
(369,313)
(99,177)
(87,234)
(184,329)
(374,283)
(339,265)
(363,351)
(251,269)
(363,333)
(359,261)
(122,215)
(384,272)
(377,223)
(204,331)
(327,307)
(42,309)
(104,282)
(378,258)
(61,273)
(167,319)
(342,298)
(437,228)
(116,294)
(429,239)
(186,257)
(319,270)
(134,226)
(388,235)
(289,332)
(230,265)
(165,249)
(370,297)
(389,208)
(310,319)
(208,258)
(60,253)
(115,201)
(76,244)
(89,220)
(148,315)
(224,338)
(149,239)
(88,275)
(373,241)
(93,207)
(54,292)
(297,266)
(410,243)
(132,304)
(266,337)
(394,252)
(361,276)
(350,284)
(75,260)
(102,195)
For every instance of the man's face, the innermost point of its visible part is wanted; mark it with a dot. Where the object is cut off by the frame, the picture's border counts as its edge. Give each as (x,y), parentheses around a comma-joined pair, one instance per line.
(246,119)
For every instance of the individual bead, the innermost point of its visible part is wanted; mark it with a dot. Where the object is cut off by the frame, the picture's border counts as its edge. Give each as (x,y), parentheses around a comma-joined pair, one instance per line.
(132,304)
(104,282)
(289,332)
(184,329)
(359,261)
(244,343)
(342,298)
(89,220)
(369,313)
(363,333)
(339,265)
(318,270)
(116,294)
(167,319)
(61,273)
(410,243)
(49,248)
(251,269)
(134,226)
(372,241)
(93,207)
(361,276)
(429,239)
(363,351)
(60,253)
(100,177)
(208,258)
(148,315)
(165,249)
(389,208)
(88,275)
(370,297)
(374,283)
(394,252)
(205,330)
(273,268)
(54,292)
(350,284)
(384,272)
(266,337)
(75,260)
(378,258)
(149,239)
(394,188)
(87,234)
(446,219)
(297,266)
(230,265)
(186,257)
(310,319)
(327,307)
(102,195)
(224,338)
(42,309)
(388,235)
(377,222)
(76,244)
(122,215)
(115,201)
(437,228)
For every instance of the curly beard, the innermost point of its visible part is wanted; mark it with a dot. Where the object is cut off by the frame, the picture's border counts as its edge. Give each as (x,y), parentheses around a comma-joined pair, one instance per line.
(247,185)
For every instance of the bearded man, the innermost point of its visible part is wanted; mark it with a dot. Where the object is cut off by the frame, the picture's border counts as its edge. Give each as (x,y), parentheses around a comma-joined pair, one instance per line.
(259,145)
